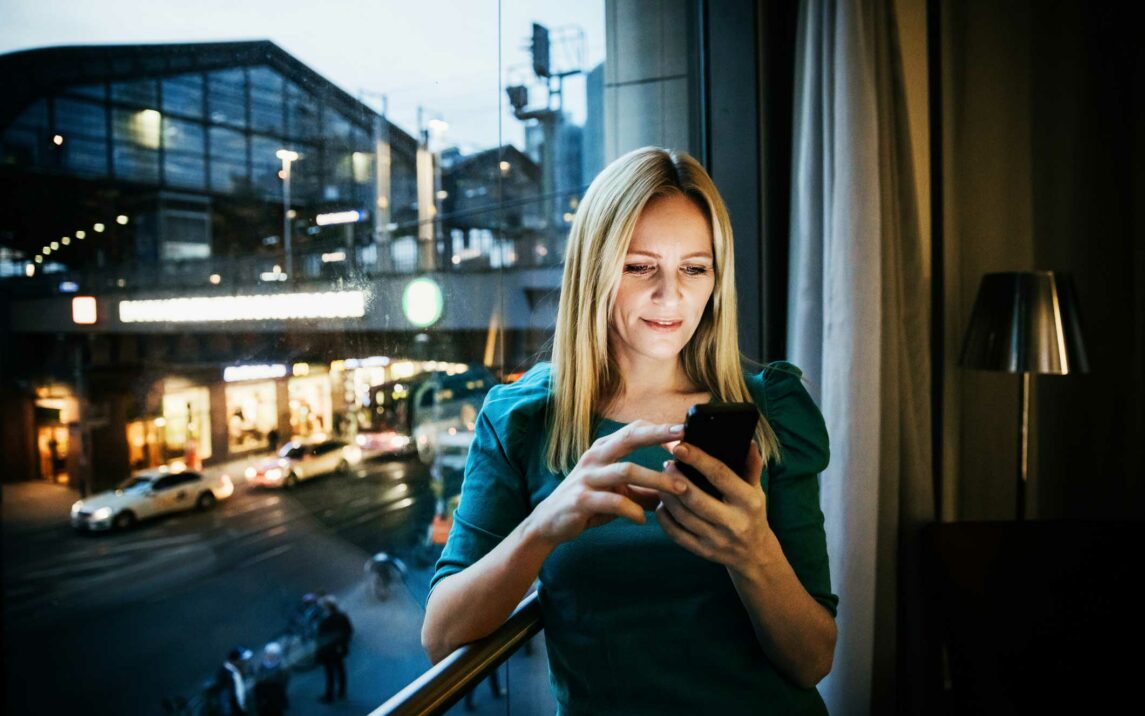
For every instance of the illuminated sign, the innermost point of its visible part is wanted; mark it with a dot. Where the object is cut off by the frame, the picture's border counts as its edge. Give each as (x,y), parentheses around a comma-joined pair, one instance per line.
(84,310)
(422,302)
(338,217)
(235,373)
(270,307)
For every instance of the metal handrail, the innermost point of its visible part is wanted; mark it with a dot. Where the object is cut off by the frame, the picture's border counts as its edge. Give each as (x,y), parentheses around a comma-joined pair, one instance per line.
(435,691)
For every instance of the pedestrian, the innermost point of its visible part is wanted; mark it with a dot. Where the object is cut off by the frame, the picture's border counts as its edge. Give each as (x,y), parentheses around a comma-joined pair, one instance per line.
(334,632)
(271,681)
(230,685)
(272,438)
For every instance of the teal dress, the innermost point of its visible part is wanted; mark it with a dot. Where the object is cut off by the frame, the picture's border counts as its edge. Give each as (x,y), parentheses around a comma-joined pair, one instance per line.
(634,623)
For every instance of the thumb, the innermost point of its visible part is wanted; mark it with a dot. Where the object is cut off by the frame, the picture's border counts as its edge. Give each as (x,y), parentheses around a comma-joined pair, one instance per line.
(753,467)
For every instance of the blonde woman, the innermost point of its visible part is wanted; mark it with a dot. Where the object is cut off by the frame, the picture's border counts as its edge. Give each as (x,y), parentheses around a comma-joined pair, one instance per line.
(657,597)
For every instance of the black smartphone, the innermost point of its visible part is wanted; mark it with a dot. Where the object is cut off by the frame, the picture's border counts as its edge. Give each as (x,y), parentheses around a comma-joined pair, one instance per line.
(722,430)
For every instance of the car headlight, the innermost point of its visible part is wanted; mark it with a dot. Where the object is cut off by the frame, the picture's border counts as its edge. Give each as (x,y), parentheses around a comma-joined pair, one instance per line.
(77,507)
(101,514)
(274,473)
(250,472)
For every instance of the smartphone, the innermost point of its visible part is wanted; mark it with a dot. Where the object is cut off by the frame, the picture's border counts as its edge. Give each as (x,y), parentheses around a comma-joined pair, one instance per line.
(722,430)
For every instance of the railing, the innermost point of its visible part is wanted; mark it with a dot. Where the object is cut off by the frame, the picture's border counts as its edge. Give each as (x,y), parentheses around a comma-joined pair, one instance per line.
(435,691)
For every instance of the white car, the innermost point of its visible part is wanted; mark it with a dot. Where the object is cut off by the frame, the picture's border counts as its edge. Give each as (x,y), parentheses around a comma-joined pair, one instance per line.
(147,494)
(297,461)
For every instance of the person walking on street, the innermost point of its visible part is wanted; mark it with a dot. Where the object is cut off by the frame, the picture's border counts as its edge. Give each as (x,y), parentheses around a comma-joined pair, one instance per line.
(334,632)
(271,680)
(231,688)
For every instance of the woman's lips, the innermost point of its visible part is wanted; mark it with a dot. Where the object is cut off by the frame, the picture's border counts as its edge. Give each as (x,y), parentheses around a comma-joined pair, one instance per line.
(662,326)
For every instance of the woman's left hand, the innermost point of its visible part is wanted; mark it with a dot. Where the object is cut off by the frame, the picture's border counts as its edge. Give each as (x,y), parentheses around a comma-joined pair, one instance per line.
(733,532)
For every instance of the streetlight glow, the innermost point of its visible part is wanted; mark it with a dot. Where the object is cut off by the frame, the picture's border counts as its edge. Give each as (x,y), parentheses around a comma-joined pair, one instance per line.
(121,219)
(98,228)
(81,234)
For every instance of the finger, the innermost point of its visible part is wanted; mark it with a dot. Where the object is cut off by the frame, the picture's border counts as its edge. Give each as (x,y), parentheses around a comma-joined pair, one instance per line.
(612,448)
(595,502)
(618,474)
(679,535)
(753,469)
(685,517)
(720,475)
(709,508)
(648,499)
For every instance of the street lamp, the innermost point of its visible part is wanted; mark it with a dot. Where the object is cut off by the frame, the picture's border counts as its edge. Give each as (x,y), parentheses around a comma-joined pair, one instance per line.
(287,157)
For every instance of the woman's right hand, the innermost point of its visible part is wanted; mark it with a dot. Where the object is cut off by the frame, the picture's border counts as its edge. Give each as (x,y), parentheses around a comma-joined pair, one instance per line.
(600,488)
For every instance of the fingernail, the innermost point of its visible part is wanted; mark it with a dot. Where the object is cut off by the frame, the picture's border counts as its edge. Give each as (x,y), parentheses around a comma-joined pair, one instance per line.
(667,463)
(681,486)
(676,429)
(681,450)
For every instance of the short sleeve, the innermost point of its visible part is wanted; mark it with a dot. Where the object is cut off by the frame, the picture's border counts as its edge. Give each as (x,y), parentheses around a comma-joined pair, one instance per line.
(493,502)
(793,508)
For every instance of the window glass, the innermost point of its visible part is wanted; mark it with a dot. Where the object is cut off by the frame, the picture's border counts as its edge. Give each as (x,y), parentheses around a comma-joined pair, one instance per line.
(183,95)
(228,154)
(226,97)
(266,91)
(332,242)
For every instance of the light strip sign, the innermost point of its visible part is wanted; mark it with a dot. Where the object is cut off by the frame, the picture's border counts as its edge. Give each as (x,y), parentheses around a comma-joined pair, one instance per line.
(235,373)
(338,217)
(271,307)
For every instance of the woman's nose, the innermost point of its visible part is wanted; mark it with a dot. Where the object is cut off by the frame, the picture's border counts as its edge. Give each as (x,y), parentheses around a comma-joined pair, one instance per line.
(667,288)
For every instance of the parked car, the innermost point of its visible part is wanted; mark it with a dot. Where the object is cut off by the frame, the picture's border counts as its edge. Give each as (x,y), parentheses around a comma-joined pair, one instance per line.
(298,461)
(147,494)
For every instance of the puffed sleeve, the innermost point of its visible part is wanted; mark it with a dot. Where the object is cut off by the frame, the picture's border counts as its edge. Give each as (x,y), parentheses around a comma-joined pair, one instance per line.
(493,502)
(793,509)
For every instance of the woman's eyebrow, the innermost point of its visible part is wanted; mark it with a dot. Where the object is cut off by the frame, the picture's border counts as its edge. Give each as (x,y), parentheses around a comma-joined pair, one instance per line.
(694,254)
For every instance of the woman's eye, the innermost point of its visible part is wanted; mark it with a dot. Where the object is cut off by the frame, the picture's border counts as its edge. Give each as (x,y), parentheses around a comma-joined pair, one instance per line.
(695,270)
(638,269)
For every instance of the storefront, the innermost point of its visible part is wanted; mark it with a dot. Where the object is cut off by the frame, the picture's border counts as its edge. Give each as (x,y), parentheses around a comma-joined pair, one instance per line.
(187,424)
(252,415)
(311,409)
(56,415)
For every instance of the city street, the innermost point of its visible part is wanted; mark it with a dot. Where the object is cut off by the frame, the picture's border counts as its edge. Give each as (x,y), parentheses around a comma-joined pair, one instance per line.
(114,623)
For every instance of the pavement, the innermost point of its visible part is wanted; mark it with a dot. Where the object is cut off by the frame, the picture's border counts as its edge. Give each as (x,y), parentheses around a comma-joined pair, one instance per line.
(385,654)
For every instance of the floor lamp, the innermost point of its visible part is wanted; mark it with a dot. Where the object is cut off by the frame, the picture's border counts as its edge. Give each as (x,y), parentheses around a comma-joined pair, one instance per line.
(1025,322)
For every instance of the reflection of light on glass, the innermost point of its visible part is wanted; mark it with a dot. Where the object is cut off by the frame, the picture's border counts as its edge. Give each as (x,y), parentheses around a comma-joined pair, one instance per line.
(235,373)
(333,257)
(504,167)
(216,279)
(83,310)
(361,164)
(58,140)
(145,126)
(338,217)
(286,306)
(422,302)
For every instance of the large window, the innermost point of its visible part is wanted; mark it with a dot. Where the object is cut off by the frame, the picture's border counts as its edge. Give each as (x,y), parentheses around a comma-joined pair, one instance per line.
(343,235)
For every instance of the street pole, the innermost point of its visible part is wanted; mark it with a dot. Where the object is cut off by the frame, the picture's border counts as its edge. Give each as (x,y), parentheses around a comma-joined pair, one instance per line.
(287,158)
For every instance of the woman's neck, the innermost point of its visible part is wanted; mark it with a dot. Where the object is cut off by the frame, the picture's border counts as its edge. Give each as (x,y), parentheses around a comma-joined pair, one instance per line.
(645,377)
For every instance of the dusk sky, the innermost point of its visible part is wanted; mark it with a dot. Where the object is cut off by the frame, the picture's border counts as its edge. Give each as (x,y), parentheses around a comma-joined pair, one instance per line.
(441,55)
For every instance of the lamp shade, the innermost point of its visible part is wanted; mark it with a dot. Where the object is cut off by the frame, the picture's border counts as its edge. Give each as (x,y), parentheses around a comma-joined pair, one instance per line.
(1025,322)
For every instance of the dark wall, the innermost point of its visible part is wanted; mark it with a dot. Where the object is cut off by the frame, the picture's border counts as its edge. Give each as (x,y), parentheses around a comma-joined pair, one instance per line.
(1041,125)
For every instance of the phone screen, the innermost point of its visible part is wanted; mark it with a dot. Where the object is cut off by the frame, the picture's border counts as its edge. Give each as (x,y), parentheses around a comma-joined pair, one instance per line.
(722,430)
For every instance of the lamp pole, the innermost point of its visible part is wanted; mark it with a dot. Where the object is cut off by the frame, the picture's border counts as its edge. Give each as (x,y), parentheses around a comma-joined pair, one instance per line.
(287,158)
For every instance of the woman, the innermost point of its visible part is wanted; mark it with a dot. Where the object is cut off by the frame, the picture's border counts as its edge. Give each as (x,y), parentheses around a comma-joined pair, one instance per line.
(711,606)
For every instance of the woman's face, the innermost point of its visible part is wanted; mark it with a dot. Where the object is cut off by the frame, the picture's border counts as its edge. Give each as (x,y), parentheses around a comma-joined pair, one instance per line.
(667,279)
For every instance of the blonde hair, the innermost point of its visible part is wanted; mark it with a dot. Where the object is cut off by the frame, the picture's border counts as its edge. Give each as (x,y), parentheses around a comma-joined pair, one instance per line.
(584,375)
